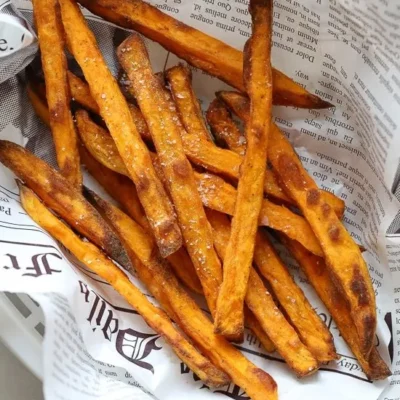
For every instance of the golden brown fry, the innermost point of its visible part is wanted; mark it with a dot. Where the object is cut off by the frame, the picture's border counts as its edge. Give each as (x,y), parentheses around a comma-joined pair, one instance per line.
(253,324)
(99,143)
(317,274)
(122,189)
(257,77)
(62,197)
(197,48)
(191,116)
(159,111)
(54,63)
(96,261)
(80,93)
(226,131)
(39,105)
(239,105)
(115,112)
(342,255)
(312,331)
(257,383)
(260,302)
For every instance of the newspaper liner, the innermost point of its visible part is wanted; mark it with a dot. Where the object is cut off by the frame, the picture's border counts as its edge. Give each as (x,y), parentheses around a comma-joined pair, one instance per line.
(337,50)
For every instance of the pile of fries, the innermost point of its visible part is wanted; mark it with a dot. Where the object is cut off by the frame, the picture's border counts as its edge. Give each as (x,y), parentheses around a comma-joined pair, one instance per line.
(193,205)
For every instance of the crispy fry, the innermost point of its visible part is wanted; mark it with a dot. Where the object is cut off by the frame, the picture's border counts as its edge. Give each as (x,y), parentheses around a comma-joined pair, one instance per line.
(115,112)
(180,81)
(312,331)
(80,93)
(159,111)
(226,131)
(239,105)
(197,48)
(122,189)
(96,261)
(238,258)
(317,274)
(54,63)
(62,197)
(260,302)
(39,105)
(342,255)
(253,324)
(257,383)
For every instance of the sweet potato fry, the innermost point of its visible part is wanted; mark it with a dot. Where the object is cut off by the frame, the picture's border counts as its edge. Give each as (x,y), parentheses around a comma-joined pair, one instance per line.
(226,131)
(257,383)
(115,112)
(260,302)
(96,261)
(342,255)
(197,48)
(317,274)
(311,329)
(54,63)
(239,253)
(80,93)
(39,105)
(62,197)
(252,323)
(239,105)
(159,112)
(189,110)
(122,189)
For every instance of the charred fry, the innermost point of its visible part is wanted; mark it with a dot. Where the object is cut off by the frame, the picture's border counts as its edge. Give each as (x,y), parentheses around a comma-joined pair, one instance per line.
(208,53)
(54,63)
(115,112)
(62,197)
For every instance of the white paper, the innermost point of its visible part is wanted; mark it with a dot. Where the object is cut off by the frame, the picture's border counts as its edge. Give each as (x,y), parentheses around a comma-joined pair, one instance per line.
(344,51)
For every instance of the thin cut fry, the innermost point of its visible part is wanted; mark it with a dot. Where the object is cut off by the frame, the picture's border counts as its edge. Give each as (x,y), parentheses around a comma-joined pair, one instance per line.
(96,261)
(342,255)
(260,302)
(38,104)
(180,81)
(197,48)
(62,197)
(54,63)
(115,112)
(159,111)
(80,93)
(257,383)
(312,331)
(257,76)
(317,274)
(123,190)
(239,105)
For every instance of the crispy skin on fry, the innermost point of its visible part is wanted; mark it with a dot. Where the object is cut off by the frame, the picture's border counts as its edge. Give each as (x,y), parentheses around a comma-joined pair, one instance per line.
(99,143)
(115,112)
(253,324)
(80,93)
(260,302)
(123,190)
(239,105)
(226,131)
(62,197)
(197,48)
(180,82)
(38,104)
(96,261)
(312,331)
(342,255)
(317,274)
(159,111)
(257,77)
(54,63)
(257,383)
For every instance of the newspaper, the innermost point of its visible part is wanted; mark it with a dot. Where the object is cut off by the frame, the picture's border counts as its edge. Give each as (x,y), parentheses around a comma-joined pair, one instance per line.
(346,52)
